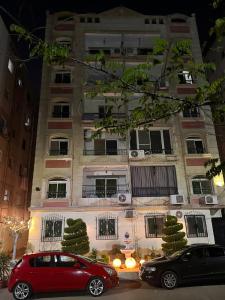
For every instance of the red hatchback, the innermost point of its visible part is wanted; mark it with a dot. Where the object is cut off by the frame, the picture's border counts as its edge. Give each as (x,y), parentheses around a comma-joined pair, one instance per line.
(58,271)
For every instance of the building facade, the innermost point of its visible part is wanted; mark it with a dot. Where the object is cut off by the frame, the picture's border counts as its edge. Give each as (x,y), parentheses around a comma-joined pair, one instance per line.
(120,186)
(18,112)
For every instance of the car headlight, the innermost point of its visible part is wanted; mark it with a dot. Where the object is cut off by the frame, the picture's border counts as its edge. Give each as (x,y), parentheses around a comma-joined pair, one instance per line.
(150,269)
(109,271)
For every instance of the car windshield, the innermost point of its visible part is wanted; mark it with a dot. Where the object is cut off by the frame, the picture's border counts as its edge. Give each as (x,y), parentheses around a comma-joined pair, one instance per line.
(177,253)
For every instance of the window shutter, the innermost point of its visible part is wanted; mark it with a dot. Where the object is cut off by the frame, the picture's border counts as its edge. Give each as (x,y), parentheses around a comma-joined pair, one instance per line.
(156,143)
(167,142)
(133,140)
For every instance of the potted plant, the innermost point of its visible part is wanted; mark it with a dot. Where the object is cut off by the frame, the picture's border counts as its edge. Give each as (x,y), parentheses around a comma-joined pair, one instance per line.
(4,268)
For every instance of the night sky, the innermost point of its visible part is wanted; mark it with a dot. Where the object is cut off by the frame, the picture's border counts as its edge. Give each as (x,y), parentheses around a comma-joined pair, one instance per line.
(32,14)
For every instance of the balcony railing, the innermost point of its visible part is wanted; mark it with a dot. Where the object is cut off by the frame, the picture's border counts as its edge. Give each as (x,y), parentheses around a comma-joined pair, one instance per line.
(58,152)
(158,151)
(56,195)
(60,115)
(106,152)
(153,191)
(91,191)
(96,116)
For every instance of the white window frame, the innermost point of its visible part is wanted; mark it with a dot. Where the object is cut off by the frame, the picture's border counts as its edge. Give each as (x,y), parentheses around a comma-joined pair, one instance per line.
(201,179)
(61,104)
(57,182)
(59,140)
(108,236)
(154,129)
(62,72)
(195,139)
(106,178)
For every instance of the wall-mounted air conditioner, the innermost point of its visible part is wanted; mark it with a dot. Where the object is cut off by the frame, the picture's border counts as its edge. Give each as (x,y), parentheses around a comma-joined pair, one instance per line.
(124,199)
(136,154)
(177,199)
(208,199)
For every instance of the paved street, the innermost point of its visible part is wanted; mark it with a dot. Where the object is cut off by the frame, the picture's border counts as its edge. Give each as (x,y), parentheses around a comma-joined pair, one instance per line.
(134,289)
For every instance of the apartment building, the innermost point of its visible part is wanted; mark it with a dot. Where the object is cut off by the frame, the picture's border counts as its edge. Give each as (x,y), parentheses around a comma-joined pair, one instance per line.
(18,112)
(120,186)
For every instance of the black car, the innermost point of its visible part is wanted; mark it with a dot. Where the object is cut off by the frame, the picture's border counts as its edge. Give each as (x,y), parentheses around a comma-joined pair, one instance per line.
(196,263)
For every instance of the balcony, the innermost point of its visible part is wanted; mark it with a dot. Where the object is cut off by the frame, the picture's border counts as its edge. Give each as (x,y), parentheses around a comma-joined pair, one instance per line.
(97,116)
(56,195)
(153,191)
(92,191)
(55,152)
(105,152)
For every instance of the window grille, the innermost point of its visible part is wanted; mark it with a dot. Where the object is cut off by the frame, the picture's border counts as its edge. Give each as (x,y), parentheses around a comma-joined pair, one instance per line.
(52,228)
(107,228)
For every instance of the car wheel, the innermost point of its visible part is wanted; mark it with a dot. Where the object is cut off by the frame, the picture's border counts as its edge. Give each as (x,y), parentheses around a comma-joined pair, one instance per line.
(96,287)
(169,280)
(22,291)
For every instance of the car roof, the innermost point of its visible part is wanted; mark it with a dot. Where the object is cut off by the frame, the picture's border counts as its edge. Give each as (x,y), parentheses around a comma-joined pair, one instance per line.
(203,245)
(45,253)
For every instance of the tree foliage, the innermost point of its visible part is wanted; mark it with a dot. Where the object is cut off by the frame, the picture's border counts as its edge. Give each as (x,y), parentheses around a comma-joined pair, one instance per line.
(75,239)
(173,237)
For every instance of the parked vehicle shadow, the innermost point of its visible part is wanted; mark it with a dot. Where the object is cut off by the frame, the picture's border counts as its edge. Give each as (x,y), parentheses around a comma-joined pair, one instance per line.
(124,286)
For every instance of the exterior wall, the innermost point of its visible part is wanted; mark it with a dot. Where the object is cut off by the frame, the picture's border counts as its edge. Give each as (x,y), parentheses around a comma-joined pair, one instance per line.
(17,140)
(76,164)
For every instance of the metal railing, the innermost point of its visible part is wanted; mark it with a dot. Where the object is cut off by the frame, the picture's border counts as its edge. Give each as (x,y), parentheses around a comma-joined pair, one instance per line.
(58,152)
(105,152)
(60,115)
(56,194)
(153,191)
(91,191)
(158,151)
(96,116)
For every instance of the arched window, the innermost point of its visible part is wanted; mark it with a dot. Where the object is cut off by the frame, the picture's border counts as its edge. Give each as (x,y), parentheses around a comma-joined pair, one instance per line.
(194,145)
(59,146)
(61,110)
(201,185)
(57,188)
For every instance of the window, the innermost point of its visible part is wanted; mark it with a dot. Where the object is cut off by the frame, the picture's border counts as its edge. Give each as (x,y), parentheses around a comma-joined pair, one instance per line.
(57,188)
(185,78)
(107,228)
(97,20)
(52,229)
(215,252)
(191,112)
(61,110)
(10,66)
(82,20)
(154,21)
(58,146)
(105,187)
(105,147)
(42,261)
(65,261)
(89,20)
(153,181)
(161,21)
(195,226)
(103,111)
(62,77)
(194,145)
(201,185)
(151,141)
(147,21)
(154,226)
(178,20)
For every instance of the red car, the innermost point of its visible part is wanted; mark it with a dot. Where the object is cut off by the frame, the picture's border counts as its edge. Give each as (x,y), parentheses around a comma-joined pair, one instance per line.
(58,271)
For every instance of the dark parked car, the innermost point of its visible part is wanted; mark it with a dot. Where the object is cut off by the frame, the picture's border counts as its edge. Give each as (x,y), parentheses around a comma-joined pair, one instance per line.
(58,271)
(196,263)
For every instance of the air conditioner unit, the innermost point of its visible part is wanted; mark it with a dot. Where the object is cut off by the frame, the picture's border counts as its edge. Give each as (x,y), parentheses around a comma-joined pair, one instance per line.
(129,213)
(176,199)
(124,199)
(208,199)
(136,154)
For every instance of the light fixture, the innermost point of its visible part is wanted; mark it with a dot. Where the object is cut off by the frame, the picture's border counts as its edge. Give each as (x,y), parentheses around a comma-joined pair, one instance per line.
(130,263)
(142,261)
(219,180)
(116,263)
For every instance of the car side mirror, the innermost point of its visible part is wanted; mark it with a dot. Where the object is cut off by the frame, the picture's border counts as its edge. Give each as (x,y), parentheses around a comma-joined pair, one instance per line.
(76,266)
